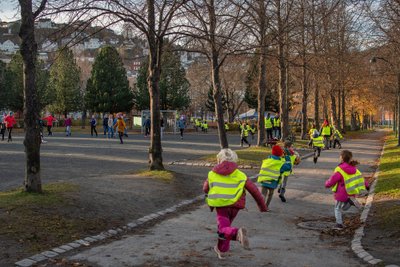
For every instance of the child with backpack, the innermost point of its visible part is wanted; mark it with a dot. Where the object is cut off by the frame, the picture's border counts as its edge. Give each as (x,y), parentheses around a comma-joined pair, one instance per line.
(346,183)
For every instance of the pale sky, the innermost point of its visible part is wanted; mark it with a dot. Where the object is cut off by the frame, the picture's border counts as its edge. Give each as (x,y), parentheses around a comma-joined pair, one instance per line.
(8,10)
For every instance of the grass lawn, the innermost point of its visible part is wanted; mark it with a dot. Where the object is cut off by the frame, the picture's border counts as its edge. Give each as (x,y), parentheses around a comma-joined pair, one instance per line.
(357,134)
(388,186)
(162,175)
(41,221)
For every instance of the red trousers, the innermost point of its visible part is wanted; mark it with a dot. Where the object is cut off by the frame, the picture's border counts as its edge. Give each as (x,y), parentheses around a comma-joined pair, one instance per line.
(226,233)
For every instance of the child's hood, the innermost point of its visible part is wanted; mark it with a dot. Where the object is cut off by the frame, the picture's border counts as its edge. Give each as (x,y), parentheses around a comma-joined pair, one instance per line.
(347,168)
(225,168)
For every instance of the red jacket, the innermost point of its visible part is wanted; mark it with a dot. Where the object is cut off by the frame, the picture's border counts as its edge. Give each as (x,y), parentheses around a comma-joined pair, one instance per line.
(10,121)
(50,119)
(226,168)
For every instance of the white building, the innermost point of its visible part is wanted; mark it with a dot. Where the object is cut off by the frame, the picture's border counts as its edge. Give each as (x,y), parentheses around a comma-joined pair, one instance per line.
(93,43)
(49,46)
(44,24)
(9,47)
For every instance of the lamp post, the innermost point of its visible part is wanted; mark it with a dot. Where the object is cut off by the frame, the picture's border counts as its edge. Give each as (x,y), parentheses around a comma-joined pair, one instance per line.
(397,108)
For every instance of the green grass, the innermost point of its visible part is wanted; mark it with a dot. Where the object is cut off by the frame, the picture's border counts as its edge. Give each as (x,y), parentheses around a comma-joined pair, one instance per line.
(389,176)
(41,221)
(162,175)
(388,188)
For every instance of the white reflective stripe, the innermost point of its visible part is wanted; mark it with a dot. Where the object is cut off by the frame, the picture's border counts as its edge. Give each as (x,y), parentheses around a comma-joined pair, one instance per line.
(353,179)
(270,170)
(361,184)
(224,185)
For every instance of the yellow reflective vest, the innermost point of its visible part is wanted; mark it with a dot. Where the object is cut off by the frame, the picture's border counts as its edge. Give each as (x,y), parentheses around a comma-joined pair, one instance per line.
(205,125)
(292,160)
(354,183)
(337,134)
(226,127)
(326,130)
(245,131)
(311,132)
(268,123)
(318,141)
(277,122)
(270,170)
(225,190)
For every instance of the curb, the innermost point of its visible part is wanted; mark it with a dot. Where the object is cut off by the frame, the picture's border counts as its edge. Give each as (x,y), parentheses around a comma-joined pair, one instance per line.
(87,241)
(356,245)
(207,164)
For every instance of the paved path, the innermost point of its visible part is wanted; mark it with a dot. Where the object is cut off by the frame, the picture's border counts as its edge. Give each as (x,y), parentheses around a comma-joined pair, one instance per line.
(187,240)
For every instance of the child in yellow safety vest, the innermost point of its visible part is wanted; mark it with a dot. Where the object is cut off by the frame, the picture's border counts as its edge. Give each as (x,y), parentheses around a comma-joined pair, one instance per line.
(346,182)
(336,138)
(318,144)
(244,134)
(294,160)
(311,133)
(271,171)
(225,191)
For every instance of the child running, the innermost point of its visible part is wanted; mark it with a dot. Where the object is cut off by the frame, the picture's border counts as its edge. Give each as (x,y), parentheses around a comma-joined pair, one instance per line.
(271,171)
(346,182)
(294,160)
(225,188)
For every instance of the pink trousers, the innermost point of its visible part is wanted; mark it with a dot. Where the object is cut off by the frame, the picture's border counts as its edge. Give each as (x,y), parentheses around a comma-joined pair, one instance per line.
(226,233)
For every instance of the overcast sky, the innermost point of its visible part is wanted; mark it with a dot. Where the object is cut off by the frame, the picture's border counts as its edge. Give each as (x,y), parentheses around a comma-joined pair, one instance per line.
(8,10)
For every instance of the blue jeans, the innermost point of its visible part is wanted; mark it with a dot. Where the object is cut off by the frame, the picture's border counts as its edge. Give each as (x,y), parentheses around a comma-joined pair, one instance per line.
(110,132)
(105,128)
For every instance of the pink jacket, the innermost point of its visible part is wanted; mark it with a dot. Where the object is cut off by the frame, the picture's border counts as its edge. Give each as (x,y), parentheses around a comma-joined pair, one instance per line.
(337,178)
(10,121)
(226,168)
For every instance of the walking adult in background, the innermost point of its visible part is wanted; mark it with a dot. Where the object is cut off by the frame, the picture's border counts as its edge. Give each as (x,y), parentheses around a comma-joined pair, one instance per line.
(147,125)
(10,122)
(162,127)
(49,122)
(268,127)
(120,128)
(277,126)
(105,124)
(110,126)
(326,133)
(2,126)
(68,125)
(93,124)
(181,126)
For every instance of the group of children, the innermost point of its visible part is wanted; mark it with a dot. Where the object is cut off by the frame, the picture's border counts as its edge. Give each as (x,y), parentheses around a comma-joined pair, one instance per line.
(225,189)
(202,125)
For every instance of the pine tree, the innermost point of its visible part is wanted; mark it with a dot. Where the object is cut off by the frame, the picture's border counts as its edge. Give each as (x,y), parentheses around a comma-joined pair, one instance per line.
(64,84)
(210,101)
(174,87)
(108,88)
(12,95)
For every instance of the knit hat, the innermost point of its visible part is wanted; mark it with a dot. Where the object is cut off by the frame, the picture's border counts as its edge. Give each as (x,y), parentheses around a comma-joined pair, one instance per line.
(277,151)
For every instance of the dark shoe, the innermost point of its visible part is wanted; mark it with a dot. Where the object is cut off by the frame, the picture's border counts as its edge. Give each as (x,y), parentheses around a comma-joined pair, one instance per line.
(338,227)
(249,145)
(283,199)
(315,160)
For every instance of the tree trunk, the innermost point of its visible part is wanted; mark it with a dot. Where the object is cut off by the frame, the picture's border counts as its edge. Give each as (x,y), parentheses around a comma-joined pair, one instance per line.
(304,120)
(343,110)
(32,180)
(339,109)
(223,140)
(262,91)
(325,108)
(155,52)
(353,123)
(316,104)
(333,109)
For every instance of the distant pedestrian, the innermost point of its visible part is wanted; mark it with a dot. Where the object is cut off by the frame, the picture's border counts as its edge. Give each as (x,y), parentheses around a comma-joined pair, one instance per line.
(147,126)
(105,124)
(225,191)
(271,171)
(2,126)
(294,160)
(120,128)
(277,126)
(347,182)
(317,144)
(244,134)
(110,126)
(326,133)
(10,122)
(336,136)
(49,122)
(162,125)
(181,126)
(93,124)
(268,127)
(311,133)
(68,126)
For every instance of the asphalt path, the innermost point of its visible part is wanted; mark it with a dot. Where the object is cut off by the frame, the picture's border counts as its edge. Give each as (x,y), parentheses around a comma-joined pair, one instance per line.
(275,238)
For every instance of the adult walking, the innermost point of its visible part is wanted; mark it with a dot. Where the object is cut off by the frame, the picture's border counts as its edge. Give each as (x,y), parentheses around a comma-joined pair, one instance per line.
(147,125)
(326,133)
(2,126)
(68,125)
(120,128)
(10,122)
(49,122)
(93,124)
(181,126)
(105,124)
(244,134)
(268,126)
(110,126)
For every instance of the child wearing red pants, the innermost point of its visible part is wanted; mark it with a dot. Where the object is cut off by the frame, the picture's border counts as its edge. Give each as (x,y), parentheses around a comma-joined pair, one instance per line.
(226,192)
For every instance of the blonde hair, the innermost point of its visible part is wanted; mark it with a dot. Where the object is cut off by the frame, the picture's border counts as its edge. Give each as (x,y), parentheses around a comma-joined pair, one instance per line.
(227,154)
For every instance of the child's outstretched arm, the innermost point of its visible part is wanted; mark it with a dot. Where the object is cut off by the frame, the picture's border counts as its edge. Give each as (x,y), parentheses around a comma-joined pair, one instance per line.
(255,193)
(334,179)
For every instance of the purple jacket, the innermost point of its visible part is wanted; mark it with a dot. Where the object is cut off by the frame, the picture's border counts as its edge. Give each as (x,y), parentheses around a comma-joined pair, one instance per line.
(337,178)
(226,168)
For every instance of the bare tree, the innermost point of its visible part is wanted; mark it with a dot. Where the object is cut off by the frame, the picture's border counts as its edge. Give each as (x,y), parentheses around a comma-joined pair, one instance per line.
(32,181)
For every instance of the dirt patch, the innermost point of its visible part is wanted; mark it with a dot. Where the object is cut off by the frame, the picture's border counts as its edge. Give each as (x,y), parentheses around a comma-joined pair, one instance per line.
(99,204)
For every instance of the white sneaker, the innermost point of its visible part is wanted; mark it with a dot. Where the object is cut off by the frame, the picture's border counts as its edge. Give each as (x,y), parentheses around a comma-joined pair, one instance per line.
(242,238)
(219,253)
